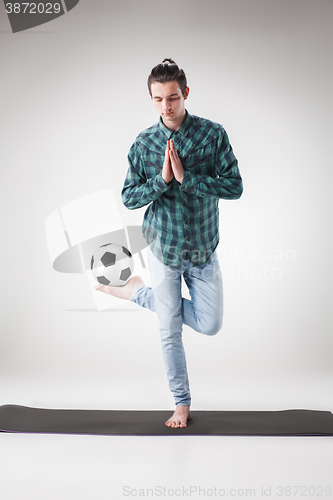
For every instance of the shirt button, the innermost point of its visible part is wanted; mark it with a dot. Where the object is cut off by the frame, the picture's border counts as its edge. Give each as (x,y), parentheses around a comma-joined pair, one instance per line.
(184,203)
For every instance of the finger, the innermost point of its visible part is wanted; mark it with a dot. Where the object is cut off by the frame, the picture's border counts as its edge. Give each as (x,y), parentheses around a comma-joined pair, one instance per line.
(167,151)
(173,148)
(173,156)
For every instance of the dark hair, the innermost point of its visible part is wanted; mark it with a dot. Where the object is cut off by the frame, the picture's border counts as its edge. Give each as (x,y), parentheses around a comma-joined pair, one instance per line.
(167,71)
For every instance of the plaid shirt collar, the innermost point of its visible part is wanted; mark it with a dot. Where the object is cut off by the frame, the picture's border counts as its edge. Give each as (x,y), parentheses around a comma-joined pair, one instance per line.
(183,130)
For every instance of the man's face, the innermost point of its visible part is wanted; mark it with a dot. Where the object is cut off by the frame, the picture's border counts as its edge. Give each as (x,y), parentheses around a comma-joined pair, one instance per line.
(169,102)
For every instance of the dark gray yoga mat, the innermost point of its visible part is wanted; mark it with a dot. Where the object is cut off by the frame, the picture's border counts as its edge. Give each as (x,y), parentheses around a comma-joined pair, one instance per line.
(14,418)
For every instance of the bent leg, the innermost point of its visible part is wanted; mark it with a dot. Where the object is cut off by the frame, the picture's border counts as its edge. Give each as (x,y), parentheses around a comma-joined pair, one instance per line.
(204,312)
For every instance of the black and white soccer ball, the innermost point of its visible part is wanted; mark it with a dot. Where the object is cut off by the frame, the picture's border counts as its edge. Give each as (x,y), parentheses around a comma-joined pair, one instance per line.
(112,264)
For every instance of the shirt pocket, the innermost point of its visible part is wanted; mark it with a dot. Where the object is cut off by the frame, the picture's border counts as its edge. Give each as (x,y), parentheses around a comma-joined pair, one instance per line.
(201,164)
(153,165)
(201,161)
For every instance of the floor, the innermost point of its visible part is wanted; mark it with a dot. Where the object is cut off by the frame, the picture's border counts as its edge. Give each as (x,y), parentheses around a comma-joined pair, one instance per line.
(54,467)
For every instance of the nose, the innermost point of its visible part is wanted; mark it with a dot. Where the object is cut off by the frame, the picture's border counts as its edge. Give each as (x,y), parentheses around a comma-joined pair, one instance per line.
(165,106)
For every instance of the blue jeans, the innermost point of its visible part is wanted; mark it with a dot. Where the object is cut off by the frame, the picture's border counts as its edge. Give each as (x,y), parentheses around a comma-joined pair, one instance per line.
(203,312)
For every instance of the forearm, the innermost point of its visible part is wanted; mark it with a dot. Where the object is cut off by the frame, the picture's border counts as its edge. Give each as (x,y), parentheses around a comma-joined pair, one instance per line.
(225,187)
(137,194)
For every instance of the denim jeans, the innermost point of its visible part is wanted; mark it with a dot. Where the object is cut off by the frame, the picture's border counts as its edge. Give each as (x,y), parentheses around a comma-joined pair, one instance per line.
(203,312)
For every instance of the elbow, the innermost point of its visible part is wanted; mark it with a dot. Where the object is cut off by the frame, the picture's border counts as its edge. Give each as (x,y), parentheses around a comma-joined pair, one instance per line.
(130,200)
(239,191)
(127,201)
(130,205)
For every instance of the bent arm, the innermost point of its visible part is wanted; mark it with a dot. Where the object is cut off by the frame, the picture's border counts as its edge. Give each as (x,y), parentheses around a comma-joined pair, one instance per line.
(139,191)
(227,183)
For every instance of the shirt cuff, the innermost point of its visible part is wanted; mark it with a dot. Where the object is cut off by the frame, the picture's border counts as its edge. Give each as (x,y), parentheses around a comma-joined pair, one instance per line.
(159,185)
(189,182)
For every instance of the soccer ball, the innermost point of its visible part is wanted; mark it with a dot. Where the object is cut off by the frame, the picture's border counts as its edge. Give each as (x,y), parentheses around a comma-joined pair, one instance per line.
(112,264)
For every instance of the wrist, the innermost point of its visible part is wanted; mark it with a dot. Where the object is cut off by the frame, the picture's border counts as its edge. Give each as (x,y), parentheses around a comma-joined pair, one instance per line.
(166,180)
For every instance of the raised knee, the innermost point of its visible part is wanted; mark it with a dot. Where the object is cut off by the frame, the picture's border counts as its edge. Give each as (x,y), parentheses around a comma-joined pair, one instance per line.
(212,327)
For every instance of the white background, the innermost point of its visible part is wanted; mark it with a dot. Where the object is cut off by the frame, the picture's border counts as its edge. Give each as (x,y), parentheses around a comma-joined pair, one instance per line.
(73,98)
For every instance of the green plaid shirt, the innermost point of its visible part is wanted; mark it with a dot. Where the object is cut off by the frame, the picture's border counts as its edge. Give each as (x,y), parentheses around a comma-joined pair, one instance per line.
(182,220)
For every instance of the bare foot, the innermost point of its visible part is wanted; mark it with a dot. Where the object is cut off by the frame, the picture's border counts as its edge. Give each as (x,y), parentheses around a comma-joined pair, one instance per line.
(122,292)
(180,417)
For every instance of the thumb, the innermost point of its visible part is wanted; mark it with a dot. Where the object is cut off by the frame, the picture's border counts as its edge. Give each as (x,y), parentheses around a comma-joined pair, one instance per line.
(167,153)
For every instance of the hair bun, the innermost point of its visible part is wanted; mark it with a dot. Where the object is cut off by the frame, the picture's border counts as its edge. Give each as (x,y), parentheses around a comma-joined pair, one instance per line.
(167,71)
(169,61)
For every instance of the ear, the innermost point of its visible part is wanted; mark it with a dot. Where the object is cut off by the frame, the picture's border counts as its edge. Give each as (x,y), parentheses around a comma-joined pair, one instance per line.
(186,93)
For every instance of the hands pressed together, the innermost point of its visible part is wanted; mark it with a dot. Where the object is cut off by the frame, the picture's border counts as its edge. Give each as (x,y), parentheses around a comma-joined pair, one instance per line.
(172,166)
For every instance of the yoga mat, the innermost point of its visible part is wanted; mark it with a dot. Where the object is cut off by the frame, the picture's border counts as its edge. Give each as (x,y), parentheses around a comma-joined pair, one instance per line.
(14,418)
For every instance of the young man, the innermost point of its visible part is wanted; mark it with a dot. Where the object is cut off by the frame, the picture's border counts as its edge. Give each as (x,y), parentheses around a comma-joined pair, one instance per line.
(179,167)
